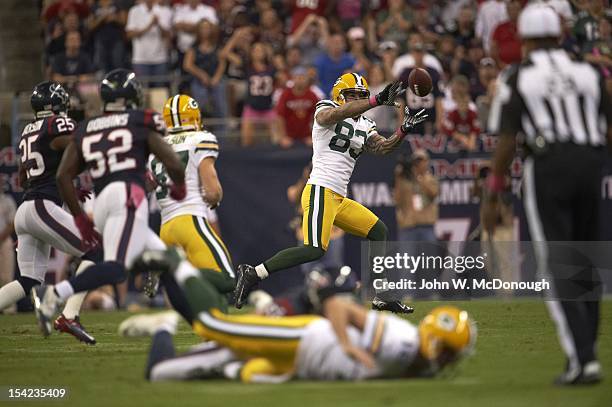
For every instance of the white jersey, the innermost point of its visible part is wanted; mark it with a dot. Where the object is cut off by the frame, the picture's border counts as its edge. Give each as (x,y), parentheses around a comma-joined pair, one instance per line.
(336,148)
(192,147)
(393,341)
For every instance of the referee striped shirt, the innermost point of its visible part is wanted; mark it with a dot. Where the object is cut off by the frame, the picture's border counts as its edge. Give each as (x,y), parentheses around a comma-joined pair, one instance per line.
(551,99)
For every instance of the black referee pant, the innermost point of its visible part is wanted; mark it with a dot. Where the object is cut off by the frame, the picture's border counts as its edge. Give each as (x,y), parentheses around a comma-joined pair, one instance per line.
(562,192)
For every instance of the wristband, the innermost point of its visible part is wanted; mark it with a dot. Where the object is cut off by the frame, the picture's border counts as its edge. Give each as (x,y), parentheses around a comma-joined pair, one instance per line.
(373,101)
(495,183)
(400,132)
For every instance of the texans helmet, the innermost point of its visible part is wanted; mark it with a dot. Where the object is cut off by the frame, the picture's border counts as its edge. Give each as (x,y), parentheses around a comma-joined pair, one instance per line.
(49,97)
(120,90)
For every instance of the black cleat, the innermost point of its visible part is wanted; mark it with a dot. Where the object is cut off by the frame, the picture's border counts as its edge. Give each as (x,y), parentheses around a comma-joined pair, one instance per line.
(588,374)
(74,328)
(246,280)
(158,261)
(396,307)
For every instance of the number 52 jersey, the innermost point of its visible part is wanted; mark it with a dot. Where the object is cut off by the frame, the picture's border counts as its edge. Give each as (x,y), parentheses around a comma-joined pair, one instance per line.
(336,148)
(115,146)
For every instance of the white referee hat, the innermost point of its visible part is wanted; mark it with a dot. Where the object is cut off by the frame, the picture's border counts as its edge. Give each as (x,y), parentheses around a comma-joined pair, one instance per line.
(539,20)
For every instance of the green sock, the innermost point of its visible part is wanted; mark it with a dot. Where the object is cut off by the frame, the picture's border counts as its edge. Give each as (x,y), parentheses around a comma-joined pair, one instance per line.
(202,295)
(221,281)
(292,257)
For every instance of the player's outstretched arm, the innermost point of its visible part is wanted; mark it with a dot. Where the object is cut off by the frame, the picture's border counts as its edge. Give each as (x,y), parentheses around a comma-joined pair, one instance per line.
(162,150)
(70,166)
(377,144)
(356,107)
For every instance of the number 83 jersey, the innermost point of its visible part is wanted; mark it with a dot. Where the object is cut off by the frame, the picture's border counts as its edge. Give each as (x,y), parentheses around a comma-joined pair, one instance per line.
(336,148)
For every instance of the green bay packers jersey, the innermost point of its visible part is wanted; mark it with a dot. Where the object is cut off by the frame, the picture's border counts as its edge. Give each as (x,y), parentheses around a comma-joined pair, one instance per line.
(336,148)
(192,147)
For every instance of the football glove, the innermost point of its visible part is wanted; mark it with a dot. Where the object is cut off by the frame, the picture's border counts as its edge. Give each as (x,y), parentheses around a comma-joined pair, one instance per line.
(411,120)
(388,95)
(89,236)
(83,194)
(178,191)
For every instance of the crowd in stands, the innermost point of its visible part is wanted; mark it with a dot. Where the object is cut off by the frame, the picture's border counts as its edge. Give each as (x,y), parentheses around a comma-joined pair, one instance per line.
(269,61)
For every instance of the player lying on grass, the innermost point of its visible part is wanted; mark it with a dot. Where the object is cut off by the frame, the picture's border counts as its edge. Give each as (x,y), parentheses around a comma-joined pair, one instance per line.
(184,223)
(340,134)
(40,221)
(352,343)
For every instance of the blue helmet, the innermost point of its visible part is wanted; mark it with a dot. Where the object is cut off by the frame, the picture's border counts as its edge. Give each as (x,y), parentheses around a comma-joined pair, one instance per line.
(121,88)
(49,97)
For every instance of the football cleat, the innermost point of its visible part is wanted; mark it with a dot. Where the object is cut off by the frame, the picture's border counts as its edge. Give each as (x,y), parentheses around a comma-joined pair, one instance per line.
(396,307)
(246,280)
(148,324)
(151,283)
(74,328)
(158,261)
(590,373)
(43,322)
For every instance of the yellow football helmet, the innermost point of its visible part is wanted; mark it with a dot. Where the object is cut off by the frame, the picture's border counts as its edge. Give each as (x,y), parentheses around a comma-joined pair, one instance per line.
(182,113)
(446,328)
(349,82)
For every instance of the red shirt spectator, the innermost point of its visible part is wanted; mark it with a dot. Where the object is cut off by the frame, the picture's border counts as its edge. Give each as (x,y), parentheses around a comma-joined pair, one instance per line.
(505,42)
(302,8)
(462,125)
(295,110)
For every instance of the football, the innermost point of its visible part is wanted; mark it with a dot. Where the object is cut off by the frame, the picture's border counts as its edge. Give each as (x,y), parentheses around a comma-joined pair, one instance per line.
(419,82)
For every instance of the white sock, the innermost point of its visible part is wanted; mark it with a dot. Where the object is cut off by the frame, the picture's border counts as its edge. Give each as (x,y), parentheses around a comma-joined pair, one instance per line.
(261,271)
(11,293)
(166,327)
(185,271)
(64,290)
(73,305)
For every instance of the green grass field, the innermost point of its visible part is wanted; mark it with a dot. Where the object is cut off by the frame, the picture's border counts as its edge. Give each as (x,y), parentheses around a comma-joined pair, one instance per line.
(517,356)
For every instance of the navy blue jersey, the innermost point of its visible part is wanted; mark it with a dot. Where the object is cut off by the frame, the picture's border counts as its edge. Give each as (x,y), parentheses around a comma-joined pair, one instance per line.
(260,89)
(38,158)
(114,146)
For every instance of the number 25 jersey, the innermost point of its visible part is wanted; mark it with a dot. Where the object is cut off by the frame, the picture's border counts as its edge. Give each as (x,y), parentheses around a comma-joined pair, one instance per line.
(336,148)
(115,146)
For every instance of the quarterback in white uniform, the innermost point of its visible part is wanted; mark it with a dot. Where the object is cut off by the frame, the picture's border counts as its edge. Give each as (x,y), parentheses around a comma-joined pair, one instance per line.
(340,134)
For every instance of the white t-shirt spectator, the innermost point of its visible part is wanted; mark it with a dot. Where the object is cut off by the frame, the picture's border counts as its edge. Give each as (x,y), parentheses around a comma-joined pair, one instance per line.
(183,13)
(407,61)
(490,14)
(149,48)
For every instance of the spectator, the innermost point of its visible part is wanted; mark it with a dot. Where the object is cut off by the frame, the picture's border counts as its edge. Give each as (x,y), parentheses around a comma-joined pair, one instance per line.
(271,31)
(461,124)
(106,25)
(7,228)
(487,72)
(333,63)
(69,22)
(185,21)
(73,65)
(490,14)
(446,53)
(359,51)
(310,37)
(426,25)
(148,26)
(466,63)
(432,103)
(463,30)
(260,87)
(395,23)
(600,53)
(505,42)
(302,10)
(415,192)
(483,103)
(205,65)
(349,13)
(458,91)
(385,119)
(407,60)
(295,110)
(236,52)
(388,51)
(586,28)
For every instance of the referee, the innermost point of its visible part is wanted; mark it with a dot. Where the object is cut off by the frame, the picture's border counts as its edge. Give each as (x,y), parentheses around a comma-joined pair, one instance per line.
(562,109)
